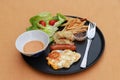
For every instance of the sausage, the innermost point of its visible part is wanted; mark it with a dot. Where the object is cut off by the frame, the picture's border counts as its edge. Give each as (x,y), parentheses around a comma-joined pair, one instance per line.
(62,47)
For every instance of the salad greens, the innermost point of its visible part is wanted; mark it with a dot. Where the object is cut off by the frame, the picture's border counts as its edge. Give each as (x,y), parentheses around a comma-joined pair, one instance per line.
(46,22)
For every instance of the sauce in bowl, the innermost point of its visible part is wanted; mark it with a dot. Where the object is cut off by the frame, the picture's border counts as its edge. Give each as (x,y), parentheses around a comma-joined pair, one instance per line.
(33,46)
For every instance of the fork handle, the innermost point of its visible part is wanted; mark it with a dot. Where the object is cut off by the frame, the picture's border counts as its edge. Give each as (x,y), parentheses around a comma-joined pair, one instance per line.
(84,61)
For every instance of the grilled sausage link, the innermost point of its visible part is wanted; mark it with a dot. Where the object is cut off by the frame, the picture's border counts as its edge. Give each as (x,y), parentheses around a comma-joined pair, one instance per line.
(62,47)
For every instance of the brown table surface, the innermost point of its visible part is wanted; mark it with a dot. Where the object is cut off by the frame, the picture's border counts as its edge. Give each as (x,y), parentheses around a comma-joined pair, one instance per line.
(14,18)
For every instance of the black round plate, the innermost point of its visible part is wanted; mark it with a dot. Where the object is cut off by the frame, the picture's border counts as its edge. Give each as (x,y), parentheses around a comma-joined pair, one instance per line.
(95,51)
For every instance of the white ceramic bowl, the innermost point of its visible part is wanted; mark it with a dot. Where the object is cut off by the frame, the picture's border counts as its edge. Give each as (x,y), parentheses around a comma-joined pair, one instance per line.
(30,36)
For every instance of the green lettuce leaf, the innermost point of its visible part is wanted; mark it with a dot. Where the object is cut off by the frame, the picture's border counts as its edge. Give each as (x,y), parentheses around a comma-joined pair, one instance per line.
(50,30)
(46,16)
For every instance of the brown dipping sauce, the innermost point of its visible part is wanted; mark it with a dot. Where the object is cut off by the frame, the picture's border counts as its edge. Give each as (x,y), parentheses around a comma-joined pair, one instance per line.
(33,46)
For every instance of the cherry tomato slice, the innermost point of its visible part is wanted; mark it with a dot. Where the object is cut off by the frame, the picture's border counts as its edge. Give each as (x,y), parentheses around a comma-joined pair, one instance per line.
(42,22)
(52,22)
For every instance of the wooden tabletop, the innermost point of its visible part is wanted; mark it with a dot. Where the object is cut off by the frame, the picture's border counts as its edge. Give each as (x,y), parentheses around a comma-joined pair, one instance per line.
(14,19)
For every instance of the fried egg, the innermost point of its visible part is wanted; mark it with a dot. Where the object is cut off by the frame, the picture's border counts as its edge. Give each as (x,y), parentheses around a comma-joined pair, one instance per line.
(58,59)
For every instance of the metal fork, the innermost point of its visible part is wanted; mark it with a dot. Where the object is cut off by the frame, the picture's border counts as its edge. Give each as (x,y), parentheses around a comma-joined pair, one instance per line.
(90,35)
